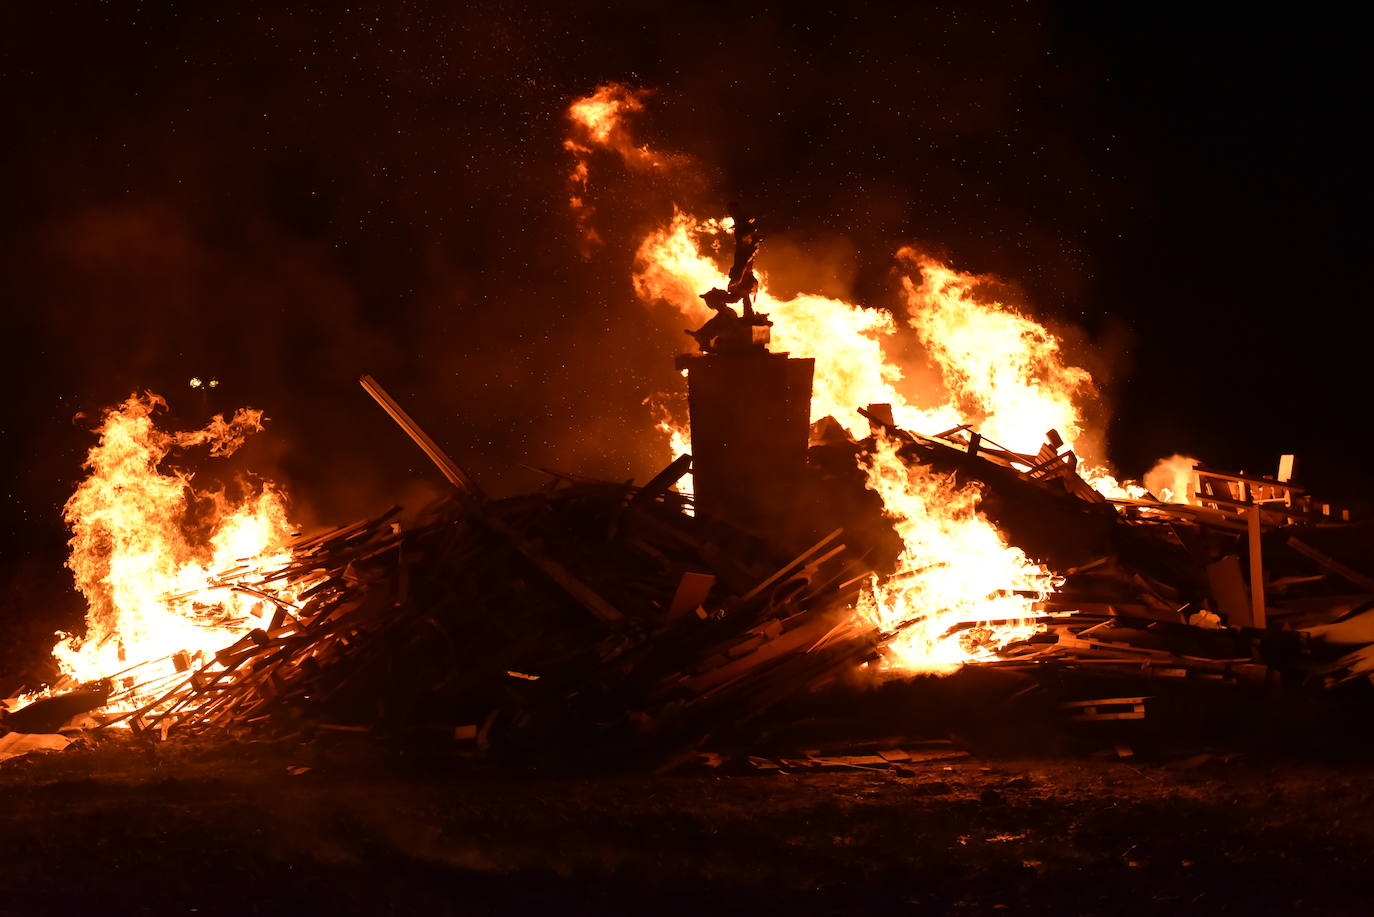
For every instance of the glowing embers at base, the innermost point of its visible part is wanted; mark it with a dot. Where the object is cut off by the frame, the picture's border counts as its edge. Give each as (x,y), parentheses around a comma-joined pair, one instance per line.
(147,546)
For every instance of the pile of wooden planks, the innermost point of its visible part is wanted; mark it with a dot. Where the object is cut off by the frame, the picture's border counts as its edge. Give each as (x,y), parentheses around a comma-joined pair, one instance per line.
(585,616)
(1241,585)
(591,620)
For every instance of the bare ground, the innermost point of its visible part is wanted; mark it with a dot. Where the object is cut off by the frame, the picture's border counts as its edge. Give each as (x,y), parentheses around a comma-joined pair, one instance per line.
(183,828)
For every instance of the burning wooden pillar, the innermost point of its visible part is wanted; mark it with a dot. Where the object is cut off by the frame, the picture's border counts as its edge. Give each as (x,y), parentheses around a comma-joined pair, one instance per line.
(750,416)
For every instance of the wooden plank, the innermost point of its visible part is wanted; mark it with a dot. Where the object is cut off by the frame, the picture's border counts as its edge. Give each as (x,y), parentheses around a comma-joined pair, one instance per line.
(579,590)
(1105,701)
(446,465)
(792,641)
(880,417)
(1080,488)
(1245,479)
(796,563)
(662,481)
(1330,563)
(1049,465)
(1124,651)
(892,429)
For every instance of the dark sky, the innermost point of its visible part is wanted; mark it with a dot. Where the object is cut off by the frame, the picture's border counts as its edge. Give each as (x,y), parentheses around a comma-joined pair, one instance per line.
(286,196)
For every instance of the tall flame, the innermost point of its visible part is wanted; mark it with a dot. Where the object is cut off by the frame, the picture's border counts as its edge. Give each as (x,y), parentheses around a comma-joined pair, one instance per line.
(1006,371)
(960,591)
(677,262)
(959,575)
(146,544)
(963,590)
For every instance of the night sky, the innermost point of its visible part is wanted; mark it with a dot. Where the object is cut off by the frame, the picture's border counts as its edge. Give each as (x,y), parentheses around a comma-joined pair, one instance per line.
(284,197)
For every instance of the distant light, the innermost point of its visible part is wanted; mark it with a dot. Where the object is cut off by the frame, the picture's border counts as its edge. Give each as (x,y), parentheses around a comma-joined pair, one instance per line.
(195,382)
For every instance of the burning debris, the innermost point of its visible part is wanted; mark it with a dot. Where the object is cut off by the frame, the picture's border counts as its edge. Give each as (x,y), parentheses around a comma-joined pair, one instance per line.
(831,542)
(593,622)
(596,622)
(142,533)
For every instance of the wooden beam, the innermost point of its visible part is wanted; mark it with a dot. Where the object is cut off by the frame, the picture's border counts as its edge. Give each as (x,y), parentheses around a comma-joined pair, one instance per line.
(1330,563)
(584,594)
(1244,479)
(447,466)
(662,481)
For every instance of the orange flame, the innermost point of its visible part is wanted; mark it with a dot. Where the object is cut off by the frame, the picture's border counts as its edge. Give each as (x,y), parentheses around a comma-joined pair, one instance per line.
(1005,370)
(676,263)
(1171,479)
(146,545)
(599,122)
(961,591)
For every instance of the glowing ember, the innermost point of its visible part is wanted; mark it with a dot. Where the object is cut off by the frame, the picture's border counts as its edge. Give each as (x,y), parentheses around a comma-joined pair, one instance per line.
(146,544)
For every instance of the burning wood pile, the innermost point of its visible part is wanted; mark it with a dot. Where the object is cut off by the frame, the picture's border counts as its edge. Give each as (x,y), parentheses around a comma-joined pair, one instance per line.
(1227,587)
(830,543)
(596,622)
(589,616)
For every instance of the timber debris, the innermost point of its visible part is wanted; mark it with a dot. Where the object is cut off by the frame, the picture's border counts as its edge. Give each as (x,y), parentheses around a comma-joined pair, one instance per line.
(593,621)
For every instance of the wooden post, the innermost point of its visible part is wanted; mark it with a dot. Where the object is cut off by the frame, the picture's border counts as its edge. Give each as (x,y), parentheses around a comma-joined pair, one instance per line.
(1252,521)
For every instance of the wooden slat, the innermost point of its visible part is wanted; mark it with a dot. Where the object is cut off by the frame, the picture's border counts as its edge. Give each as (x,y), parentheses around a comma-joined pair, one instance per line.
(795,564)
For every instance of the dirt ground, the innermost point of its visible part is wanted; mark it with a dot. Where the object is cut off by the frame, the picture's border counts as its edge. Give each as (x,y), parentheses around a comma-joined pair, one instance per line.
(218,829)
